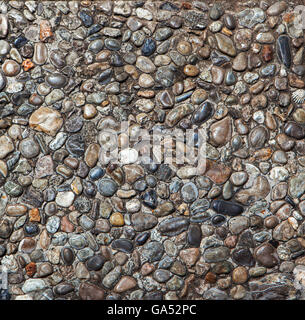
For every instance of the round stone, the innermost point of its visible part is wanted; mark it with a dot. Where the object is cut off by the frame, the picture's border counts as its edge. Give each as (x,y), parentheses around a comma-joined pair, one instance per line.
(10,68)
(117,219)
(184,47)
(189,192)
(107,187)
(65,198)
(29,148)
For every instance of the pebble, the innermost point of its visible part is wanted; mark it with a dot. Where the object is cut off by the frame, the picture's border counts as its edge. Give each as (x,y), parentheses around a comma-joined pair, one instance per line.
(89,291)
(144,64)
(56,80)
(225,44)
(221,131)
(173,226)
(10,68)
(251,17)
(40,53)
(31,285)
(46,120)
(6,146)
(283,50)
(240,62)
(65,198)
(67,256)
(227,208)
(126,283)
(107,187)
(266,255)
(123,245)
(29,148)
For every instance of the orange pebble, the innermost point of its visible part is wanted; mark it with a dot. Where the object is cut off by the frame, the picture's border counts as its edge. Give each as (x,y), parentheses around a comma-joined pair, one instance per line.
(30,269)
(186,5)
(210,277)
(226,31)
(27,64)
(45,30)
(34,215)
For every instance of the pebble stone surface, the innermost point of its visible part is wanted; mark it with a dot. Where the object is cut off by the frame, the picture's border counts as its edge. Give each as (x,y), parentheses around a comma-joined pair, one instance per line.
(73,227)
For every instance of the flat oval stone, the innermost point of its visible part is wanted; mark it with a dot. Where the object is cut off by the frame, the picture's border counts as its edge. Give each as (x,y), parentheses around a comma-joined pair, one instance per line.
(142,238)
(229,21)
(40,53)
(74,124)
(145,64)
(217,254)
(173,226)
(162,275)
(126,283)
(230,78)
(294,130)
(258,136)
(149,47)
(91,155)
(163,33)
(32,285)
(203,113)
(283,50)
(63,288)
(112,44)
(3,26)
(53,224)
(123,245)
(45,269)
(142,222)
(67,256)
(277,8)
(16,210)
(164,209)
(194,235)
(227,207)
(65,198)
(95,263)
(56,80)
